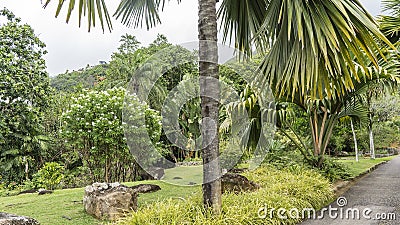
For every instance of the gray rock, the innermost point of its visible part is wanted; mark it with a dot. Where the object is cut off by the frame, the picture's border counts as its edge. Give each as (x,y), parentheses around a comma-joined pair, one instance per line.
(237,183)
(10,219)
(145,188)
(44,191)
(109,201)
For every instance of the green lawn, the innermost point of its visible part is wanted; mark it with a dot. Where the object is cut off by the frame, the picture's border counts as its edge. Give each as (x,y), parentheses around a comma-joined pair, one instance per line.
(184,175)
(50,209)
(364,164)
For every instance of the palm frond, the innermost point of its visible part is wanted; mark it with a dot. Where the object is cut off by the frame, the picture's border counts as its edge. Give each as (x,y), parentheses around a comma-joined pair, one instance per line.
(134,12)
(355,109)
(314,47)
(241,20)
(86,8)
(390,24)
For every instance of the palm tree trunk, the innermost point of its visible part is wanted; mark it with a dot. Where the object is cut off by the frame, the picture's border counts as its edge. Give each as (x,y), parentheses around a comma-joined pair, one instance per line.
(355,139)
(209,91)
(321,132)
(371,138)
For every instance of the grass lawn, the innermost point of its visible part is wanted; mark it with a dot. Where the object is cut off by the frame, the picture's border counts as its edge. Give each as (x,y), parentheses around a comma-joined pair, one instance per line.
(50,209)
(62,204)
(184,175)
(364,164)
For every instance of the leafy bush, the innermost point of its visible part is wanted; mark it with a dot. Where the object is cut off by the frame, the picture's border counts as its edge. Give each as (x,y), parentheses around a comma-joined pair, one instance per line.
(288,188)
(49,176)
(76,177)
(281,156)
(94,129)
(334,170)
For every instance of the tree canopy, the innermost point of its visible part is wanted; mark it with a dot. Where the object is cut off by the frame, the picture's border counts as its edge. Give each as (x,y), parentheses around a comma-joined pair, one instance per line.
(24,95)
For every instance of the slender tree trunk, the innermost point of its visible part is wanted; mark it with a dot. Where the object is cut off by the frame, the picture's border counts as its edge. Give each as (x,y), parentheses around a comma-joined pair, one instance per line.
(371,138)
(371,144)
(209,91)
(321,132)
(355,139)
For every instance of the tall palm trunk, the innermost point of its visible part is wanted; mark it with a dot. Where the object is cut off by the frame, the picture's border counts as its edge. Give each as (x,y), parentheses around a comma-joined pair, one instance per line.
(355,138)
(209,89)
(371,138)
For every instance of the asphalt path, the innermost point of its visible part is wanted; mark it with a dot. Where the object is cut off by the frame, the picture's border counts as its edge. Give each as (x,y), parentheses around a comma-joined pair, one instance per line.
(374,199)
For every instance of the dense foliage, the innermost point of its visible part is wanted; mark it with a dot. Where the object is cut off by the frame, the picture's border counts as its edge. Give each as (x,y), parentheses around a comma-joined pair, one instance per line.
(77,80)
(94,130)
(49,176)
(24,95)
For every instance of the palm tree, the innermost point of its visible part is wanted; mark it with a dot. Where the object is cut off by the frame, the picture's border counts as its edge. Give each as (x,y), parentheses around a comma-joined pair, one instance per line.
(354,138)
(310,58)
(375,90)
(319,51)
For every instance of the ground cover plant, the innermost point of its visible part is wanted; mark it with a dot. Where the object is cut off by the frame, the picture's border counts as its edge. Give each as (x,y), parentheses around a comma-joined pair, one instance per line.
(293,187)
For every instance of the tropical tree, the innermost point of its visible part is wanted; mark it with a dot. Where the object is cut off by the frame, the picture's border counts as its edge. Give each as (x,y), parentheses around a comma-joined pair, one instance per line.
(354,138)
(94,130)
(315,58)
(24,91)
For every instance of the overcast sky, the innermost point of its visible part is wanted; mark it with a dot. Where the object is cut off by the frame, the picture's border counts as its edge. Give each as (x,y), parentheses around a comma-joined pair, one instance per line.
(70,47)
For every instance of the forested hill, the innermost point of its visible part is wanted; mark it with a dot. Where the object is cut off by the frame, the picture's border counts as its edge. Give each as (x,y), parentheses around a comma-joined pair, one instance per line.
(83,78)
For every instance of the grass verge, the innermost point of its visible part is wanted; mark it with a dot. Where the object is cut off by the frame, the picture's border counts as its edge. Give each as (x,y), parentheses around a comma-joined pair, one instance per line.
(363,165)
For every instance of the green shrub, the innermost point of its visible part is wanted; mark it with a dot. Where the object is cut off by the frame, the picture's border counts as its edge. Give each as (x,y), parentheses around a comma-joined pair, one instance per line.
(49,176)
(77,177)
(334,170)
(94,129)
(288,188)
(281,156)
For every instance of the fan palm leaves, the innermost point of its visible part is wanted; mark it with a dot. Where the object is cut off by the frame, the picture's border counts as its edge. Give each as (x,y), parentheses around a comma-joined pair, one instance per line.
(390,24)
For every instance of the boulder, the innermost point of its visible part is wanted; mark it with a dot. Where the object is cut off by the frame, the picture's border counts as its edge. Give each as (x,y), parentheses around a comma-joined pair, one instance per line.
(10,219)
(237,183)
(145,188)
(44,191)
(109,200)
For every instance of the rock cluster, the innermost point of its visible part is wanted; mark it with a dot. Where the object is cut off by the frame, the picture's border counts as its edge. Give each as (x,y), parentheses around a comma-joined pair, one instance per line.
(236,183)
(10,219)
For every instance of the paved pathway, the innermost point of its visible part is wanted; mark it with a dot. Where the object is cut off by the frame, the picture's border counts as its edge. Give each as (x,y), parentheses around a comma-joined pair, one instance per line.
(377,193)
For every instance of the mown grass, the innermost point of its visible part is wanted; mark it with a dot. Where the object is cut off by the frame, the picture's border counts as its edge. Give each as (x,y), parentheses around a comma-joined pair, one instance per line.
(364,164)
(62,204)
(184,175)
(50,209)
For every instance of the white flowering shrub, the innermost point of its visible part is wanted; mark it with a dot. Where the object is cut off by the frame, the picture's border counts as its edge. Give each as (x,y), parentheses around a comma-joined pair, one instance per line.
(93,128)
